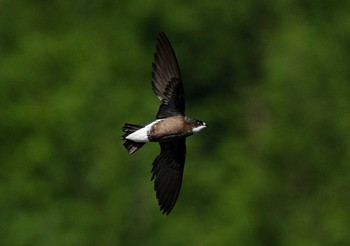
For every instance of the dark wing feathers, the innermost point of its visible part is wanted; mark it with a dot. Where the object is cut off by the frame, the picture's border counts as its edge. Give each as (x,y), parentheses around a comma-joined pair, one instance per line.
(165,66)
(166,80)
(167,173)
(168,167)
(173,102)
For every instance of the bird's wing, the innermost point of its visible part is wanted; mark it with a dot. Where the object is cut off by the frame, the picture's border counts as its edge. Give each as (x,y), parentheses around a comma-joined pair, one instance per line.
(167,173)
(166,80)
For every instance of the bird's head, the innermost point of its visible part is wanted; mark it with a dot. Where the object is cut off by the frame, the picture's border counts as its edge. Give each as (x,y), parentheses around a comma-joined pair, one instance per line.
(198,125)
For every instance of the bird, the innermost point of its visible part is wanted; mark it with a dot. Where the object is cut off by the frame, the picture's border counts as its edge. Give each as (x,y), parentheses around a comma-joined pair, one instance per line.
(170,128)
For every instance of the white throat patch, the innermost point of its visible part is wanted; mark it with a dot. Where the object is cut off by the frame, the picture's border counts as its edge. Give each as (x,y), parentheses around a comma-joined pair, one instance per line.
(198,128)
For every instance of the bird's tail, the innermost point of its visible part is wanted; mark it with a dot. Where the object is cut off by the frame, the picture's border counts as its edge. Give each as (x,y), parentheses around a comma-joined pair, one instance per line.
(131,146)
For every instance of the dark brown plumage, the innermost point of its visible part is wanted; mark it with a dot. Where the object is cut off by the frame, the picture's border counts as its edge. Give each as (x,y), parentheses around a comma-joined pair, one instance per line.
(167,173)
(166,80)
(167,85)
(170,129)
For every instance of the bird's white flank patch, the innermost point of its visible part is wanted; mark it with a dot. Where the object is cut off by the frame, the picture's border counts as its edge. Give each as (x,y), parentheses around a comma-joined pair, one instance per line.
(141,135)
(198,128)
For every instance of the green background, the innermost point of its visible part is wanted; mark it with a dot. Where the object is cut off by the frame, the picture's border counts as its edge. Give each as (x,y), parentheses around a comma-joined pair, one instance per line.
(270,78)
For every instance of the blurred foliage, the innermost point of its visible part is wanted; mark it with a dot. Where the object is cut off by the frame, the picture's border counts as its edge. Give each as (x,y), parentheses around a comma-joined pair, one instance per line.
(269,77)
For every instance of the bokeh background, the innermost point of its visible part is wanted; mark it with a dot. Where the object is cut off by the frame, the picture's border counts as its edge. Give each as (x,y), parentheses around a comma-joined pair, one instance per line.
(270,78)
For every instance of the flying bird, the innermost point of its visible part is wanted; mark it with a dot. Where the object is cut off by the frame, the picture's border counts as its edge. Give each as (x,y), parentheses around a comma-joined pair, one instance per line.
(170,128)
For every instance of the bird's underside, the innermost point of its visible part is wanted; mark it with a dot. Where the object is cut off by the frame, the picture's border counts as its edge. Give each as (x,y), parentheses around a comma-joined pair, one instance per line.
(167,170)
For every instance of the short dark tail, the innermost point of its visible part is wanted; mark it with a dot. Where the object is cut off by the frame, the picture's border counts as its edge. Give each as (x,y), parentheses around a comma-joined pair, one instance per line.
(131,146)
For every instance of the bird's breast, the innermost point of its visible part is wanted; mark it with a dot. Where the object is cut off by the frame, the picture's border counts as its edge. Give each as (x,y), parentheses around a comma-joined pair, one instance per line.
(169,129)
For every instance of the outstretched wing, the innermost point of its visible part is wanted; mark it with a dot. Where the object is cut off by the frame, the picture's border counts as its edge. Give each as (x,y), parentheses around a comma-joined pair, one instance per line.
(167,173)
(166,80)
